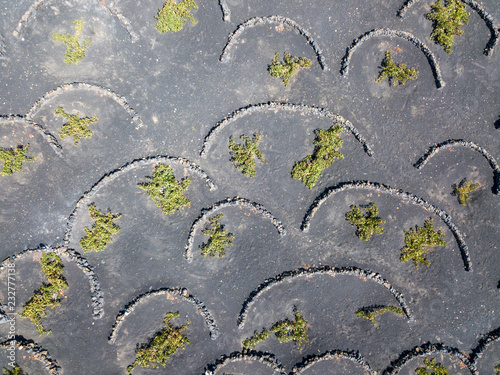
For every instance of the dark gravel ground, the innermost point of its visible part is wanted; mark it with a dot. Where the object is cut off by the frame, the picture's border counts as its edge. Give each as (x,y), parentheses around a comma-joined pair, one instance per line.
(180,90)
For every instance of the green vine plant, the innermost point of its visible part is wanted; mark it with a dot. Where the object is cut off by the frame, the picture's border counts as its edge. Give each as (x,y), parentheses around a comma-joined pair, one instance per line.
(437,368)
(76,127)
(164,344)
(497,369)
(172,16)
(395,73)
(372,312)
(289,67)
(367,224)
(327,145)
(13,159)
(165,190)
(49,294)
(100,234)
(243,155)
(447,22)
(419,241)
(15,371)
(285,331)
(463,189)
(219,238)
(75,52)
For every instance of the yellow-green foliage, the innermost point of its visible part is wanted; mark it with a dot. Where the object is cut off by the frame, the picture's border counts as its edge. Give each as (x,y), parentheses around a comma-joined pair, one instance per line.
(397,74)
(462,191)
(437,368)
(285,331)
(165,190)
(328,143)
(15,371)
(164,344)
(289,66)
(419,241)
(13,159)
(447,21)
(172,16)
(49,294)
(497,369)
(372,313)
(75,51)
(100,234)
(76,126)
(367,224)
(219,238)
(243,155)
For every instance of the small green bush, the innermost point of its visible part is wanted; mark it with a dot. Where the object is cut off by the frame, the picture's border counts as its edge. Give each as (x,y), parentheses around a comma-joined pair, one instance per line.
(15,371)
(372,313)
(164,344)
(243,155)
(165,190)
(396,74)
(172,16)
(447,22)
(49,295)
(437,368)
(75,51)
(219,238)
(257,338)
(463,189)
(367,224)
(497,369)
(328,143)
(418,242)
(13,159)
(76,126)
(100,234)
(289,67)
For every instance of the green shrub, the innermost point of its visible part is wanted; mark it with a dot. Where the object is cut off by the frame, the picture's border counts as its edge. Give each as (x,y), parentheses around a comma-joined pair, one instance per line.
(447,21)
(75,51)
(328,143)
(76,126)
(165,190)
(172,16)
(15,371)
(258,337)
(243,155)
(463,189)
(219,238)
(289,66)
(418,242)
(100,234)
(396,74)
(497,369)
(437,368)
(164,344)
(367,224)
(13,159)
(49,295)
(372,313)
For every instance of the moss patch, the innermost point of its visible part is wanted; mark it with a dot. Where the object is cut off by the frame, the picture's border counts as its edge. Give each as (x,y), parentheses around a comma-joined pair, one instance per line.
(165,190)
(447,22)
(15,371)
(328,143)
(367,224)
(289,67)
(463,189)
(172,16)
(49,295)
(437,368)
(100,234)
(13,159)
(285,331)
(419,241)
(76,127)
(243,155)
(395,73)
(371,313)
(219,238)
(75,51)
(164,344)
